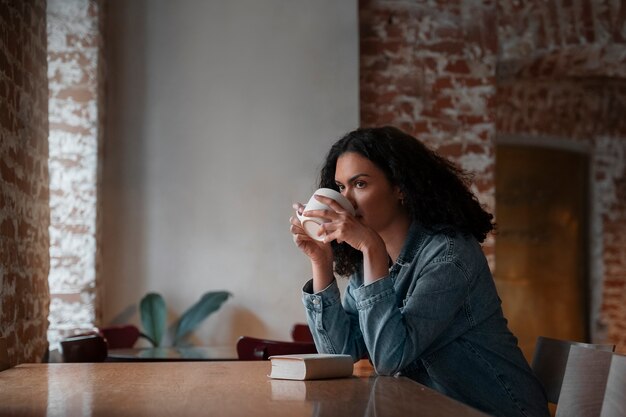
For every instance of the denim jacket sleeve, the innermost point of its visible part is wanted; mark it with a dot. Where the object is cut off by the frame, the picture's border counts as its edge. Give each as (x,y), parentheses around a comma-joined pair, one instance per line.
(335,326)
(396,329)
(396,336)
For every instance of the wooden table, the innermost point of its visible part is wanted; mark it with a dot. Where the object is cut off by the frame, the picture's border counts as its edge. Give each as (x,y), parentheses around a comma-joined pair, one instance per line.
(209,389)
(170,354)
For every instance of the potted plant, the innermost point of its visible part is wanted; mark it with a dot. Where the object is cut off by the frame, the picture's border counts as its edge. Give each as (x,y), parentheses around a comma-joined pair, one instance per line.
(153,313)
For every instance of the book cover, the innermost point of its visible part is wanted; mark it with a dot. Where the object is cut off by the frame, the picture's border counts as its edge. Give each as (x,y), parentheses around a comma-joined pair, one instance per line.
(310,366)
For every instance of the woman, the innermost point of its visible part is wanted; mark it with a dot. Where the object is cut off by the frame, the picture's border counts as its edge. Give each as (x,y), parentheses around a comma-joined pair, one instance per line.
(421,300)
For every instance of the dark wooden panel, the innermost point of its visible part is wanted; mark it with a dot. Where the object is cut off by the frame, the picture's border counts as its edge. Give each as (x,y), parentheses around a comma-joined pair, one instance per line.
(541,255)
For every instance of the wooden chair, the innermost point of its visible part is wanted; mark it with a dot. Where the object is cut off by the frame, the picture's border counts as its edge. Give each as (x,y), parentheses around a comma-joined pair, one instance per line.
(120,337)
(584,382)
(614,403)
(550,359)
(4,355)
(253,349)
(301,333)
(84,348)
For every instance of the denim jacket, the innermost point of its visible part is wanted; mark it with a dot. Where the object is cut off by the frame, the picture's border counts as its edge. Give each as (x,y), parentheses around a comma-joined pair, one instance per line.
(436,318)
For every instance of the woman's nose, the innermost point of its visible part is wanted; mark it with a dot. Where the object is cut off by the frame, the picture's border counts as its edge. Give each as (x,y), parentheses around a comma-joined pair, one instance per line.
(350,196)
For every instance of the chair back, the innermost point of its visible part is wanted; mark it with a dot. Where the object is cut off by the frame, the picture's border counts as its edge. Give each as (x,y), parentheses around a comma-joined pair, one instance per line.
(301,333)
(614,404)
(4,355)
(584,382)
(85,348)
(550,359)
(120,337)
(253,349)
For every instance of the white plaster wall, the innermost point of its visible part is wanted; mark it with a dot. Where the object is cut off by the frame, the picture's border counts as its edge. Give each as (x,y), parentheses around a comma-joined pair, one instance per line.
(219,117)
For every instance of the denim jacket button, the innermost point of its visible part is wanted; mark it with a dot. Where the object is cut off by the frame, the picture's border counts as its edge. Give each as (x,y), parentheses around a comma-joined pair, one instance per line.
(316,301)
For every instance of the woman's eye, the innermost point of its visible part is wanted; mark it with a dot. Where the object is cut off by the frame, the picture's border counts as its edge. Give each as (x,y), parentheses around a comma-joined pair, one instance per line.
(360,184)
(341,187)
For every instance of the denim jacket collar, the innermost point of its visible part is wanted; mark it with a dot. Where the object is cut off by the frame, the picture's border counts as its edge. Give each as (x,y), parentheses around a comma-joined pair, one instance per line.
(413,243)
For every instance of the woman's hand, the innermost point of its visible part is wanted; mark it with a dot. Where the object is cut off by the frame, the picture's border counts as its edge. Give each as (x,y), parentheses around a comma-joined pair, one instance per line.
(318,252)
(344,227)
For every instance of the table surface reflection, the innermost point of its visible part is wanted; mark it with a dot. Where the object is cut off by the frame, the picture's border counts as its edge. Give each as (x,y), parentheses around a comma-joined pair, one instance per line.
(158,354)
(234,388)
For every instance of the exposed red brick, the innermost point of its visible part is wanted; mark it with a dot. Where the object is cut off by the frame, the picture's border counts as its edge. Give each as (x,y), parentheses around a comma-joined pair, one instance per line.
(78,50)
(7,229)
(457,67)
(24,229)
(443,83)
(448,32)
(469,81)
(447,47)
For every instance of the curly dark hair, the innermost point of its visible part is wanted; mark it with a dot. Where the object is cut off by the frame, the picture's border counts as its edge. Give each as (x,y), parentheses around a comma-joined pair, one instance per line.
(436,192)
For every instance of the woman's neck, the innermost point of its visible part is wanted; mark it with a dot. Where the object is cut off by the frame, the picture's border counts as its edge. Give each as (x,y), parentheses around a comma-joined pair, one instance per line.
(395,235)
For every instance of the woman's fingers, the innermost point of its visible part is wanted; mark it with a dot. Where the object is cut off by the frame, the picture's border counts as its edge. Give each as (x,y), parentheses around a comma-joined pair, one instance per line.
(338,208)
(327,231)
(298,207)
(323,214)
(296,227)
(339,225)
(344,229)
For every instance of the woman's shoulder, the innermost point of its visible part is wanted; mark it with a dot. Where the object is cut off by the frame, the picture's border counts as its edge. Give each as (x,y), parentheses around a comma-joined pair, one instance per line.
(445,243)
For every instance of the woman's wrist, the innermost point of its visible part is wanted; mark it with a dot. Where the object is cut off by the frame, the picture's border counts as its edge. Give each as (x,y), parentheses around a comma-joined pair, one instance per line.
(375,260)
(322,274)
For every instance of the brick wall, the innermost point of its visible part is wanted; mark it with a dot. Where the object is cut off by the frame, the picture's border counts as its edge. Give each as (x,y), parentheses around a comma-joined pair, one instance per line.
(613,313)
(562,73)
(75,48)
(444,70)
(24,211)
(560,38)
(429,68)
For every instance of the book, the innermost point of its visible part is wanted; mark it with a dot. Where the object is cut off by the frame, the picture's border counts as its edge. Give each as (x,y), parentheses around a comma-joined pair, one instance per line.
(310,366)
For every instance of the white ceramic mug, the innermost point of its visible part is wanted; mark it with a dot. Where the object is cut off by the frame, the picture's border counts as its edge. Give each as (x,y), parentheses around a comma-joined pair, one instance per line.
(311,225)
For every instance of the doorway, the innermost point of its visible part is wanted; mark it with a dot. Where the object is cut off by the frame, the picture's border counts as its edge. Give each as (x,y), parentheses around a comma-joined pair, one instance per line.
(541,251)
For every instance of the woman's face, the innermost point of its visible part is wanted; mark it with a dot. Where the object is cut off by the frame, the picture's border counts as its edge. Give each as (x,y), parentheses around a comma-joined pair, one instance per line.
(375,199)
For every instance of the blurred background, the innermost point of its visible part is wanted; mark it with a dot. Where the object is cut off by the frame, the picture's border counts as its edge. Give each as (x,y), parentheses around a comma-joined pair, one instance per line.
(156,146)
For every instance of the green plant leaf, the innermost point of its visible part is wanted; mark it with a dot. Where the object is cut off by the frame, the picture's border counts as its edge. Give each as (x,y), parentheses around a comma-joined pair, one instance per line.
(148,338)
(153,314)
(209,303)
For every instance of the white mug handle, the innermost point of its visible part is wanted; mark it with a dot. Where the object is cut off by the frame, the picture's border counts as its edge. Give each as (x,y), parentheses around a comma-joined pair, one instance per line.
(300,216)
(304,219)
